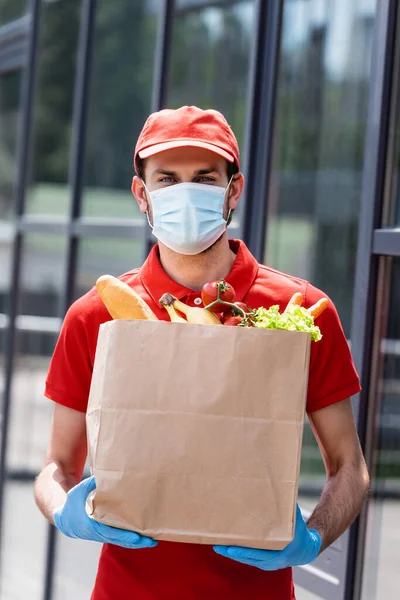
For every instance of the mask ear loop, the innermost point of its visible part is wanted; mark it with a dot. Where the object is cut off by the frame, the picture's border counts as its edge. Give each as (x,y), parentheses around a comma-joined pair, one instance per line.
(230,210)
(147,211)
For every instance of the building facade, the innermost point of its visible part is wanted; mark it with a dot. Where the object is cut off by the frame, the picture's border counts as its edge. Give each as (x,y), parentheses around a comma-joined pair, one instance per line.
(312,90)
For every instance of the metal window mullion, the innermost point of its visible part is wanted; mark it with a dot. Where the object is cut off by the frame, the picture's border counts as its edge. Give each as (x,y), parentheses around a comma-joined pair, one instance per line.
(161,71)
(77,162)
(392,181)
(366,263)
(82,226)
(24,140)
(260,127)
(202,4)
(387,242)
(162,55)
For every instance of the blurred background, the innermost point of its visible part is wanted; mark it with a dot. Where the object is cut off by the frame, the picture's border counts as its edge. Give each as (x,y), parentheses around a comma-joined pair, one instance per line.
(311,88)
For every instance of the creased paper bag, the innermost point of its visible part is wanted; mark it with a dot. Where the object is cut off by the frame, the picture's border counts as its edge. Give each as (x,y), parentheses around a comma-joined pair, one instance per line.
(195,431)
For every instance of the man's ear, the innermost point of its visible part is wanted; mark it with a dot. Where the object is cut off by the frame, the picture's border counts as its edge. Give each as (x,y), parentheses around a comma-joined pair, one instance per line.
(140,193)
(236,190)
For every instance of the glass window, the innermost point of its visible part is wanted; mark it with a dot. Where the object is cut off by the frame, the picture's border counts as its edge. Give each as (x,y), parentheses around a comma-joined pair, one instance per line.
(319,144)
(6,245)
(23,549)
(42,275)
(120,101)
(100,256)
(38,324)
(312,471)
(48,192)
(11,10)
(190,3)
(75,568)
(397,167)
(3,335)
(322,103)
(381,572)
(30,415)
(10,92)
(220,38)
(303,594)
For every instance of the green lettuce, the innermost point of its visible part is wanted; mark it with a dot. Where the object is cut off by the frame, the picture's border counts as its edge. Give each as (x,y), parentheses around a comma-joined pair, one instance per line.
(296,318)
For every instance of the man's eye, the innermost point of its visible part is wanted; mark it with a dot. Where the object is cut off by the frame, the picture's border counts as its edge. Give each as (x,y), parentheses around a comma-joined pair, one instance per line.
(205,179)
(166,180)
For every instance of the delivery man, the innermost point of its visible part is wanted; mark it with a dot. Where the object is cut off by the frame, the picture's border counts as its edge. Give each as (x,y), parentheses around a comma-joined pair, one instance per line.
(188,184)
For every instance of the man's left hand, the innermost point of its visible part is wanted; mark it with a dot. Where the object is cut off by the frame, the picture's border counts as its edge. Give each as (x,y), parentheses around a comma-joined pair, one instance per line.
(303,549)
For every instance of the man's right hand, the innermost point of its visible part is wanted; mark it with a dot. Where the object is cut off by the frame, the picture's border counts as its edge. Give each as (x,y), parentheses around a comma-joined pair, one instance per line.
(73,521)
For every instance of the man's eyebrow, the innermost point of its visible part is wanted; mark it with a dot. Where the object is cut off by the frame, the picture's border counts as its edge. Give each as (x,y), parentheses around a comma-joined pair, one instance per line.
(165,172)
(212,169)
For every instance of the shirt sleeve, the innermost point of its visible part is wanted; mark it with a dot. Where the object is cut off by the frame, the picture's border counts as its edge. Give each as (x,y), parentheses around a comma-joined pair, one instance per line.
(70,372)
(332,375)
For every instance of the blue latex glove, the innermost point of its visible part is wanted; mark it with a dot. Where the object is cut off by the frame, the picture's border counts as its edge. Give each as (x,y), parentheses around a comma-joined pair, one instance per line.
(73,521)
(303,549)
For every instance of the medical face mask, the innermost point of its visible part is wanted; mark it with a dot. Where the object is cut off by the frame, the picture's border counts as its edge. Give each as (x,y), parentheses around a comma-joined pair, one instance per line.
(187,217)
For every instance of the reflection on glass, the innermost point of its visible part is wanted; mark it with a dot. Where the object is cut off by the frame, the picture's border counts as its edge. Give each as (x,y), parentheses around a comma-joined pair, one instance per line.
(99,256)
(42,273)
(191,3)
(10,92)
(322,102)
(10,89)
(30,412)
(303,594)
(319,143)
(381,570)
(312,471)
(77,580)
(24,538)
(48,192)
(6,239)
(220,39)
(38,324)
(3,334)
(11,10)
(397,166)
(120,101)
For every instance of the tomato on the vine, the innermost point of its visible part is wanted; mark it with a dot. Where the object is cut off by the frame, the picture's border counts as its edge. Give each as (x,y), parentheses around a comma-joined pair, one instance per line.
(209,294)
(225,315)
(243,306)
(233,321)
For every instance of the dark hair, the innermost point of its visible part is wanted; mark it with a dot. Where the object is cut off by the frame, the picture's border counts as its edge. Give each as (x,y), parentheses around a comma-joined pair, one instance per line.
(140,164)
(231,168)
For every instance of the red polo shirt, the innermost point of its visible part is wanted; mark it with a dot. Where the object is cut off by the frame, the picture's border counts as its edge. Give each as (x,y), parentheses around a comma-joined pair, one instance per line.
(176,571)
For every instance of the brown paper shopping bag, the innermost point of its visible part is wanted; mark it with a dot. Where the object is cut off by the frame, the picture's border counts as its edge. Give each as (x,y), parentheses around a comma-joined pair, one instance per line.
(195,431)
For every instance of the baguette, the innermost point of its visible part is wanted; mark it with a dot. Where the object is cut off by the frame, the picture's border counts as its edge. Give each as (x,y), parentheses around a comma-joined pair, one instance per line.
(121,301)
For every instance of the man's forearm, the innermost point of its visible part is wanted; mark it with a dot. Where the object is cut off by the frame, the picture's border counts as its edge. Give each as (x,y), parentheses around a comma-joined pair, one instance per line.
(51,489)
(340,503)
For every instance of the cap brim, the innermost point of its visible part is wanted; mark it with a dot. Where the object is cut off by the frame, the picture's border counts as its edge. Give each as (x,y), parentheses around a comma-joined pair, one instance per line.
(156,148)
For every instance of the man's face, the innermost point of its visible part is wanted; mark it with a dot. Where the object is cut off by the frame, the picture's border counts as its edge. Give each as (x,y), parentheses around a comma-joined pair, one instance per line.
(182,165)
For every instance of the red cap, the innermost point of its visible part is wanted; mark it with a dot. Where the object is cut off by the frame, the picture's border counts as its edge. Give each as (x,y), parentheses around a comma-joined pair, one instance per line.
(187,126)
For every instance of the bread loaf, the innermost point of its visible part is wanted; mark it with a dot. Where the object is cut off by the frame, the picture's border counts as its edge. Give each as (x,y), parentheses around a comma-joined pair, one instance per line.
(121,301)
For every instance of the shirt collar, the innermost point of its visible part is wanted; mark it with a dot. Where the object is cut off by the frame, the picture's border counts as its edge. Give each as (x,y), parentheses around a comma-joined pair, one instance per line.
(241,276)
